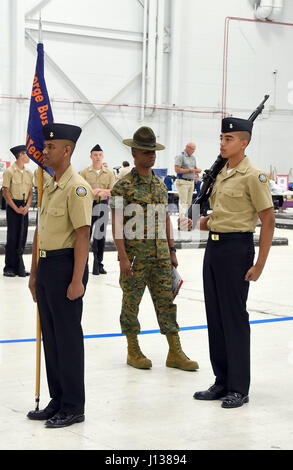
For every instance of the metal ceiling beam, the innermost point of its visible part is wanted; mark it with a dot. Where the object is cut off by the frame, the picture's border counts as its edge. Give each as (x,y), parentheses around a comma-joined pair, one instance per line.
(37,8)
(104,107)
(75,88)
(85,31)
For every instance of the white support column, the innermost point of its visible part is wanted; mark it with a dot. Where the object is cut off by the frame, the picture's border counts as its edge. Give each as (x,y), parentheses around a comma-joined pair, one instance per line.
(144,59)
(160,51)
(151,53)
(174,86)
(16,54)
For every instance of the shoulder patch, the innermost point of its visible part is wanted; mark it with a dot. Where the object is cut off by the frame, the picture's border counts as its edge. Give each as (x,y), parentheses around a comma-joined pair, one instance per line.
(262,178)
(81,191)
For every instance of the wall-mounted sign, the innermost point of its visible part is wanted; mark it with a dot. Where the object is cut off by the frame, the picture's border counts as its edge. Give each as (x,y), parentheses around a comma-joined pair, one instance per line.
(3,166)
(283,181)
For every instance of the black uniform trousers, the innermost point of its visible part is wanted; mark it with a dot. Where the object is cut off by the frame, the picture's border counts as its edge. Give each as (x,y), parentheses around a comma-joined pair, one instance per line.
(62,331)
(100,211)
(226,262)
(17,227)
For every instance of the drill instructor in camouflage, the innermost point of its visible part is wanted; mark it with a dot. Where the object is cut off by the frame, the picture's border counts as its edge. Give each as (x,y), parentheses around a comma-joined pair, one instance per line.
(146,250)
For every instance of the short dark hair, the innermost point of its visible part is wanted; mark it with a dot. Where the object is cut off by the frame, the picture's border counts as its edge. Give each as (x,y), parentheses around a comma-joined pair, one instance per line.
(17,155)
(71,144)
(125,163)
(244,135)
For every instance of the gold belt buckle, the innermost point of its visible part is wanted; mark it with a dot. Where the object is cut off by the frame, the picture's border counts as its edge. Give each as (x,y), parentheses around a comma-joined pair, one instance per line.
(215,237)
(43,254)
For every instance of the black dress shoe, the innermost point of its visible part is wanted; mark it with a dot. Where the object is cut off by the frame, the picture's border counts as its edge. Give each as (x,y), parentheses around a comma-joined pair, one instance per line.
(23,274)
(62,419)
(234,400)
(44,414)
(9,274)
(213,393)
(102,270)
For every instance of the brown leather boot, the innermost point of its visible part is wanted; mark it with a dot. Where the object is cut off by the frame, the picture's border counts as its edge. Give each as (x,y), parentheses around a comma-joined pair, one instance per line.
(176,357)
(135,357)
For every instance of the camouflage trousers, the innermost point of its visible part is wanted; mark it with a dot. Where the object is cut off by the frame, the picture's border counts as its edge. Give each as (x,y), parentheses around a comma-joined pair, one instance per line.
(156,274)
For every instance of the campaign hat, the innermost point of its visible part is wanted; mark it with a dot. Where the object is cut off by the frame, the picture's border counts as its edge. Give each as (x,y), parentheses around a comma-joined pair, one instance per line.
(144,139)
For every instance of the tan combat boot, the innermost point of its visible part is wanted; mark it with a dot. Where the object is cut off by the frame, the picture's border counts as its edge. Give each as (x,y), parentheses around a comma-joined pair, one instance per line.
(135,357)
(176,357)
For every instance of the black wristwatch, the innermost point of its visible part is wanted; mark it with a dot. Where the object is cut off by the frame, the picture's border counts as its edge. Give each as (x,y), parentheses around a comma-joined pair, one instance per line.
(172,248)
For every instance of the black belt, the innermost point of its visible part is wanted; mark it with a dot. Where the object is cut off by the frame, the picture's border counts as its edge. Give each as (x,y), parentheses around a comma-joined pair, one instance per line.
(216,236)
(50,253)
(19,201)
(186,179)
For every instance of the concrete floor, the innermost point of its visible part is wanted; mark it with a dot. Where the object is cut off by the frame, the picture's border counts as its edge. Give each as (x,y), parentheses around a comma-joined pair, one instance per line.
(129,409)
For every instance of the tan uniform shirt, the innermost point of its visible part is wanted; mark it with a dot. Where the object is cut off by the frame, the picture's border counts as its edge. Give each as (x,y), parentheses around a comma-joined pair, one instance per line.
(237,198)
(104,179)
(18,182)
(66,206)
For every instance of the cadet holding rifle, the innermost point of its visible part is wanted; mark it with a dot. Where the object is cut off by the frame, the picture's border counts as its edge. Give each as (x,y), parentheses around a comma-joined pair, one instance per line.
(239,196)
(18,193)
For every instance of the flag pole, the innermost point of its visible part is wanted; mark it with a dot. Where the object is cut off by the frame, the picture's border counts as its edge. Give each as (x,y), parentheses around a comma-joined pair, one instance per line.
(40,28)
(40,114)
(38,323)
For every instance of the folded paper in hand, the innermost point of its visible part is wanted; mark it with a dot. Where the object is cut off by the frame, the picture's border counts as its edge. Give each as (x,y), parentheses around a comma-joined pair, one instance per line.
(176,281)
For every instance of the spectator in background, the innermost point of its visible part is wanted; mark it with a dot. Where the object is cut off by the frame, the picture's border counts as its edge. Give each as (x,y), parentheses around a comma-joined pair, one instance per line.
(197,184)
(124,170)
(186,168)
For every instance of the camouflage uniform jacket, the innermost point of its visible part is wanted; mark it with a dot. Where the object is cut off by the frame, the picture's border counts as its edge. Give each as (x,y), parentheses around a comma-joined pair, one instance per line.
(151,197)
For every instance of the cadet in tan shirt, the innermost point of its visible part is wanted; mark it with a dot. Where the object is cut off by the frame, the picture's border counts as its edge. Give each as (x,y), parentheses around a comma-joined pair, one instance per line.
(17,191)
(101,180)
(240,196)
(58,281)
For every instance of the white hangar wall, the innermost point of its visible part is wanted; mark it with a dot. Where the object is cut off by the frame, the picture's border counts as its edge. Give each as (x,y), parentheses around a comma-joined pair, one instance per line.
(101,65)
